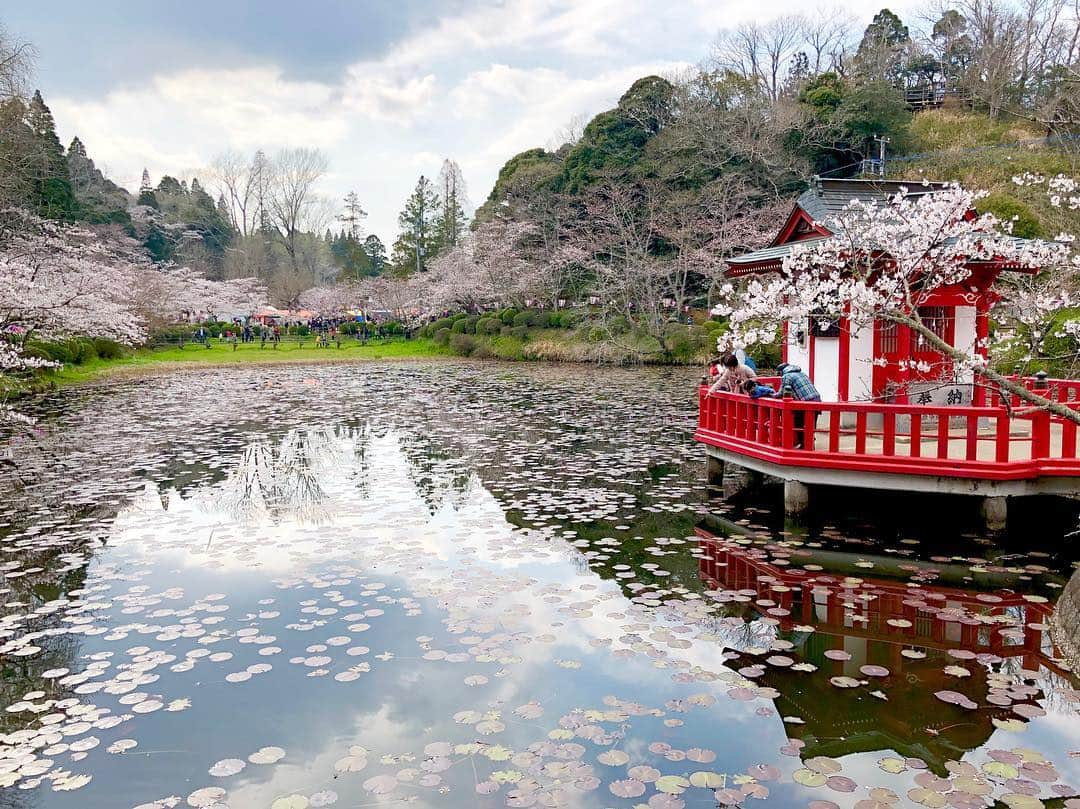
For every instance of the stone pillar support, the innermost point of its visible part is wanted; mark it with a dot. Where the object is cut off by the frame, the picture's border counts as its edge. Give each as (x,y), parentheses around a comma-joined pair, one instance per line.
(714,471)
(995,513)
(796,498)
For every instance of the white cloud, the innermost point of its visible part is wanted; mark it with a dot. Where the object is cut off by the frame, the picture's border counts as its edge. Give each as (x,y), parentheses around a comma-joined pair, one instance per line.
(478,86)
(402,100)
(177,121)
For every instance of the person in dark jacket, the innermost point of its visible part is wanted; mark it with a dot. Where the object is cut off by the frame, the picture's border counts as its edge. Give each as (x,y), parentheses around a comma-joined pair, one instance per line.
(795,383)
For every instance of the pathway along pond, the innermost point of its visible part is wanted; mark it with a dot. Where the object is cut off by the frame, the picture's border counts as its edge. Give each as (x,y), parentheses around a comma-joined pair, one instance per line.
(475,585)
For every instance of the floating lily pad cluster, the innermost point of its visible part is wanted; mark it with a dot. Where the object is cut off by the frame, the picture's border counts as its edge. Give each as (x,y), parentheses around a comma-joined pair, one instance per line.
(521,550)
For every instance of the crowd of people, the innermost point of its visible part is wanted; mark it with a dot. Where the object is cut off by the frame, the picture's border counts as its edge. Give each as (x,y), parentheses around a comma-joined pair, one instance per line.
(735,372)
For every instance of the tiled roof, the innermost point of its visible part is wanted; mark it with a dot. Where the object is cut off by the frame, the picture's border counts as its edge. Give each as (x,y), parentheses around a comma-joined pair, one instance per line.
(769,254)
(827,197)
(824,199)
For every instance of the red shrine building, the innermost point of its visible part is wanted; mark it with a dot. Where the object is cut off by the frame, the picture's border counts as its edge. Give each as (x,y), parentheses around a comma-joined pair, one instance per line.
(895,413)
(841,359)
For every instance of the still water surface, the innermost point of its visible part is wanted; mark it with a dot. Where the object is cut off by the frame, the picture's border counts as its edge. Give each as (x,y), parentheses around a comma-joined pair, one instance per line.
(484,586)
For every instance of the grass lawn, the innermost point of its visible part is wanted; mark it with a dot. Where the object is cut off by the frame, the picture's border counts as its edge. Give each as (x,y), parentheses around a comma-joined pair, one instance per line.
(251,353)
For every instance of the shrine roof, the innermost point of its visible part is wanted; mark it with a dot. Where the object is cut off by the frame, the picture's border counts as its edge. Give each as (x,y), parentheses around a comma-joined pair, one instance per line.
(826,196)
(821,202)
(768,256)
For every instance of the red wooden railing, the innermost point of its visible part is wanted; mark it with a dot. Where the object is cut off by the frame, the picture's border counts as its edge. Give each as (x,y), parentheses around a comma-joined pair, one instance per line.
(1056,390)
(992,442)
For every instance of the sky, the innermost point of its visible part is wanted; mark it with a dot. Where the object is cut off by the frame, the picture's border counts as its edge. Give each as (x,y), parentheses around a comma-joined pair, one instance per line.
(387,88)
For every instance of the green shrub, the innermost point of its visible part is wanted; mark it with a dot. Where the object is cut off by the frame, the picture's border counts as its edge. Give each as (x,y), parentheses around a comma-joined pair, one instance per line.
(108,349)
(441,323)
(1007,208)
(488,325)
(442,336)
(526,318)
(482,352)
(520,332)
(570,319)
(58,352)
(36,351)
(507,316)
(459,316)
(463,344)
(460,326)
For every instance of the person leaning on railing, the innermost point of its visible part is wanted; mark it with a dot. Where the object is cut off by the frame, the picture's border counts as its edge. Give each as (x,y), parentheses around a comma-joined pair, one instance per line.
(797,385)
(732,375)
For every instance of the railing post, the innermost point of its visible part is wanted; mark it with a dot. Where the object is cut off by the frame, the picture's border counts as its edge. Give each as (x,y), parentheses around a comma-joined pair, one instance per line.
(1040,434)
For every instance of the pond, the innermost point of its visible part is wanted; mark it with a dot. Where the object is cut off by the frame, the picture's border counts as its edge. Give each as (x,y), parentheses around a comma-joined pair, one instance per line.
(484,585)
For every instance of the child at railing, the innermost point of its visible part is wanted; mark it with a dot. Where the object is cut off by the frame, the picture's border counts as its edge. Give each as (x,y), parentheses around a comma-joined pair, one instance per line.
(755,390)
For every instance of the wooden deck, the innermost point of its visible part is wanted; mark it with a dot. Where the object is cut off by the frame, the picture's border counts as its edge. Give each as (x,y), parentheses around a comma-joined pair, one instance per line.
(1000,441)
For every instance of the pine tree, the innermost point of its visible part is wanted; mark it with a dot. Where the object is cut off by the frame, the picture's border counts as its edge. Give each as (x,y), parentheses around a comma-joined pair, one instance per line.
(413,248)
(146,192)
(884,49)
(353,215)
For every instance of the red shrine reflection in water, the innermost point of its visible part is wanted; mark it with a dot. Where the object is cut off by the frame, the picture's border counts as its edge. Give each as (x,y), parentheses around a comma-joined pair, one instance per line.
(904,640)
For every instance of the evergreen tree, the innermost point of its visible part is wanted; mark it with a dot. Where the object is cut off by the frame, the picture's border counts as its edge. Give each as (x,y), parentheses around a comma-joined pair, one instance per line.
(146,192)
(884,49)
(376,253)
(413,248)
(100,200)
(353,215)
(451,223)
(50,192)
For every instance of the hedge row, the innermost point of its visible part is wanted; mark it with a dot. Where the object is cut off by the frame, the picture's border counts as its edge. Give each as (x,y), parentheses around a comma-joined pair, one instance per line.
(76,351)
(492,323)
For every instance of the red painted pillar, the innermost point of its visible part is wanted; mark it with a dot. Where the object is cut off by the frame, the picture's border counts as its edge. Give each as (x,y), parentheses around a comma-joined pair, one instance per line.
(845,358)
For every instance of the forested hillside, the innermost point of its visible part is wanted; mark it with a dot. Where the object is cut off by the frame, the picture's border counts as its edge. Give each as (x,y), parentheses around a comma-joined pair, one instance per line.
(640,208)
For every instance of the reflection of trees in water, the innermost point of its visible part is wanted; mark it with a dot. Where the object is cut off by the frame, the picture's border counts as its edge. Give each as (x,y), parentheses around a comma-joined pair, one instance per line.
(43,596)
(283,484)
(436,474)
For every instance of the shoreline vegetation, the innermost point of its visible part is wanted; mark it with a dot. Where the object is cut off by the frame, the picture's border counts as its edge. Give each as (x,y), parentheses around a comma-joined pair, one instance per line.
(526,345)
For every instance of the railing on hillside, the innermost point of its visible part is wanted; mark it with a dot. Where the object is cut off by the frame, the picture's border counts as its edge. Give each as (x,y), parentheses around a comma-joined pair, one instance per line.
(991,442)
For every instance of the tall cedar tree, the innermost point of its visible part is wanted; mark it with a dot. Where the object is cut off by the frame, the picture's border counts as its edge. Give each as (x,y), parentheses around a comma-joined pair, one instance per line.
(418,240)
(451,224)
(50,186)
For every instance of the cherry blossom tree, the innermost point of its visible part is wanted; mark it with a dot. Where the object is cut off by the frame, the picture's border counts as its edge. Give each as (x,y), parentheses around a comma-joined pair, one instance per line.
(489,268)
(183,294)
(335,299)
(59,281)
(884,260)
